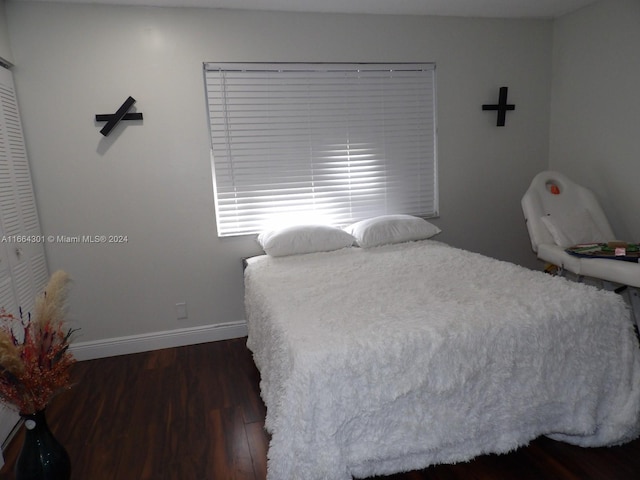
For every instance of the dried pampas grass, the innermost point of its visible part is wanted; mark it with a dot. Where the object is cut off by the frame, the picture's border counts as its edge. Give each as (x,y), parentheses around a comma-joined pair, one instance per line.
(51,304)
(35,361)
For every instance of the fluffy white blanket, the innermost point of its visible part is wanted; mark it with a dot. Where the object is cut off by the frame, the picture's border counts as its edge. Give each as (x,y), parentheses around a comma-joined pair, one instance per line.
(394,358)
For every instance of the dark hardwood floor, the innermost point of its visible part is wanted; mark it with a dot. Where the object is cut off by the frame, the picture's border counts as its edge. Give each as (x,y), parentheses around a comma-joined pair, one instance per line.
(195,413)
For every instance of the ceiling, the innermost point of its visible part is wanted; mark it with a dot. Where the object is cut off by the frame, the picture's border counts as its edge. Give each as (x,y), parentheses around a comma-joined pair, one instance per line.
(465,8)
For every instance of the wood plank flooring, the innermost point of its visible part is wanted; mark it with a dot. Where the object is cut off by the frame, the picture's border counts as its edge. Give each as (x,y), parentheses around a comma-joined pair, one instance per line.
(195,413)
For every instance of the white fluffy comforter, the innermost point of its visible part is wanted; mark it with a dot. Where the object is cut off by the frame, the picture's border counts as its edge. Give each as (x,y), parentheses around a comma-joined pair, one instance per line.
(394,358)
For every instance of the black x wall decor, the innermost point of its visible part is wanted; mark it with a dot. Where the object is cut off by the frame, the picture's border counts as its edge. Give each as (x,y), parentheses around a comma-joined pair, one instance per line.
(113,119)
(502,107)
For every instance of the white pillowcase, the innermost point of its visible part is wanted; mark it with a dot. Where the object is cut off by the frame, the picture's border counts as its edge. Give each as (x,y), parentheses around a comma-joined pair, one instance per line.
(304,239)
(573,229)
(386,229)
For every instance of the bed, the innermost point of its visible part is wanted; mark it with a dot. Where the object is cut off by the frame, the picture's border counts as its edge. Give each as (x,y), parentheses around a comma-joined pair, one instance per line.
(392,358)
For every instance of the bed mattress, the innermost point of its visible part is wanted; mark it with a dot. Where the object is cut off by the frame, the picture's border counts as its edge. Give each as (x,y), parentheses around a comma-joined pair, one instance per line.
(393,358)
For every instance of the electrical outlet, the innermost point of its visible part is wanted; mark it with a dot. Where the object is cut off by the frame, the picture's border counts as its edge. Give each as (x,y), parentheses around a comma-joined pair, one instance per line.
(181,310)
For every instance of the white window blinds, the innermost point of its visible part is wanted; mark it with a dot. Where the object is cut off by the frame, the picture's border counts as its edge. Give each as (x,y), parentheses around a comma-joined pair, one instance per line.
(294,143)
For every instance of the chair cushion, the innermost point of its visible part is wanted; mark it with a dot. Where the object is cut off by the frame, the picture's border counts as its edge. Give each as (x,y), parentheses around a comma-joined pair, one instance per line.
(574,228)
(555,254)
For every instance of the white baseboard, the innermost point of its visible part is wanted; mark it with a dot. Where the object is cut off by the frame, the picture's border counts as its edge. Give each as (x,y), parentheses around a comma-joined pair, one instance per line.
(156,340)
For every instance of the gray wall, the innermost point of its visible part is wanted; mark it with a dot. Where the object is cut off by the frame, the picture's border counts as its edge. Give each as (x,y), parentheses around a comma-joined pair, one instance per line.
(595,115)
(5,49)
(152,181)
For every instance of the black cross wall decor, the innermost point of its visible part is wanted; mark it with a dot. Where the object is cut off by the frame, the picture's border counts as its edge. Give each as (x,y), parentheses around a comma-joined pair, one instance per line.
(502,107)
(113,119)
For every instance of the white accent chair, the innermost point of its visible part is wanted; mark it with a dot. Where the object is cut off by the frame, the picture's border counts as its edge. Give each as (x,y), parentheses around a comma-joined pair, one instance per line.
(560,213)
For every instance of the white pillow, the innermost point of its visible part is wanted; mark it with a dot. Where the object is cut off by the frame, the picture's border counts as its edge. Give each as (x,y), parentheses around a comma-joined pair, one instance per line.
(304,239)
(573,229)
(391,229)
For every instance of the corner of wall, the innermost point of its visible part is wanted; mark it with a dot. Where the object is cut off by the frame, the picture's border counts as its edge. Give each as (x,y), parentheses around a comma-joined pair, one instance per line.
(6,57)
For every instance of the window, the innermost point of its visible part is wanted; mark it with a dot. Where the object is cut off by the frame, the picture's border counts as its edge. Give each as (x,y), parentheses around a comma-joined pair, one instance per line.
(320,143)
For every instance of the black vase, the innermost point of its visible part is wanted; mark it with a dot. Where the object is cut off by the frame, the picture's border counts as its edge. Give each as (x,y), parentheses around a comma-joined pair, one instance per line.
(42,457)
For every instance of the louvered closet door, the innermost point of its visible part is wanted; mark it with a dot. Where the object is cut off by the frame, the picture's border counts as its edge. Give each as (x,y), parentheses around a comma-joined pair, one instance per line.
(19,216)
(23,266)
